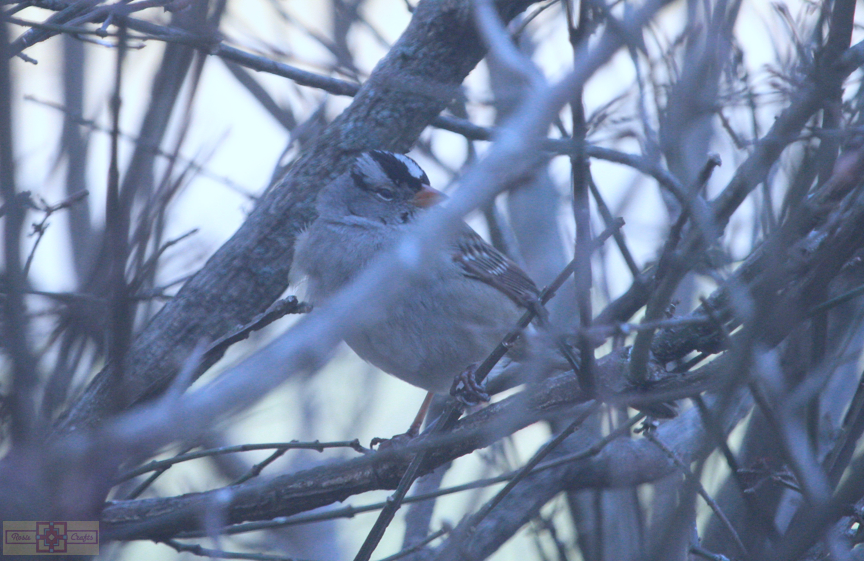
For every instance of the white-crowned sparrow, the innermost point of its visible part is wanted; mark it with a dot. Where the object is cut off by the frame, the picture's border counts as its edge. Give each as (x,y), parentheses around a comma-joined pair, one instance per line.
(469,298)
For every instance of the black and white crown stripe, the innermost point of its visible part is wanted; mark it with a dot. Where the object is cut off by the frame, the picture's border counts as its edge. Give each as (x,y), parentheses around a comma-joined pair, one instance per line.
(413,169)
(477,258)
(376,167)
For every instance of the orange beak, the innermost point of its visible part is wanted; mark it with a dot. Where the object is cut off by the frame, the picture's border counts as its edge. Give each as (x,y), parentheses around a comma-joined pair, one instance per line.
(427,196)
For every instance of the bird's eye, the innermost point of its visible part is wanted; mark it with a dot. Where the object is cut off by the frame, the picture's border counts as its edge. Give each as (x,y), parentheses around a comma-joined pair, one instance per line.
(384,194)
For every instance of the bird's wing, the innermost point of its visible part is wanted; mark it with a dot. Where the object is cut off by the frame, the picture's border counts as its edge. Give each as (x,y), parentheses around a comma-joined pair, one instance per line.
(483,262)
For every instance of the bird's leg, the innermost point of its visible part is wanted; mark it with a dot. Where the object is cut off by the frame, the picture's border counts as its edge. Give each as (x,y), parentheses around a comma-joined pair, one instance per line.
(413,430)
(467,389)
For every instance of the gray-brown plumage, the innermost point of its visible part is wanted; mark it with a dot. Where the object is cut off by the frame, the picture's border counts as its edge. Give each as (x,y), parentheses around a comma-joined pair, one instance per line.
(453,316)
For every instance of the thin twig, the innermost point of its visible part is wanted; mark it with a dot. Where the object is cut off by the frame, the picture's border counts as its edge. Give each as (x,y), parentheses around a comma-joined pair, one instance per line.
(580,174)
(39,229)
(197,549)
(280,308)
(836,301)
(842,441)
(452,411)
(256,470)
(712,426)
(144,485)
(350,511)
(518,29)
(193,165)
(419,545)
(336,86)
(701,490)
(117,231)
(24,376)
(705,554)
(149,266)
(293,445)
(618,235)
(468,529)
(672,267)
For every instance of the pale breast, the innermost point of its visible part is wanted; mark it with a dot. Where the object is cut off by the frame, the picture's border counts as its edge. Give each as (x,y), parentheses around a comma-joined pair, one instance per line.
(436,329)
(427,342)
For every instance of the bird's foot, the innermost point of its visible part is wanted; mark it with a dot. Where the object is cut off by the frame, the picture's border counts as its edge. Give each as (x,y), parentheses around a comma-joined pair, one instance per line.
(467,389)
(394,442)
(403,439)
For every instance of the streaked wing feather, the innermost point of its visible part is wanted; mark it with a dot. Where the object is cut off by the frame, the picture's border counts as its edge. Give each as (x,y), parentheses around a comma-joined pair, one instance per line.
(482,261)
